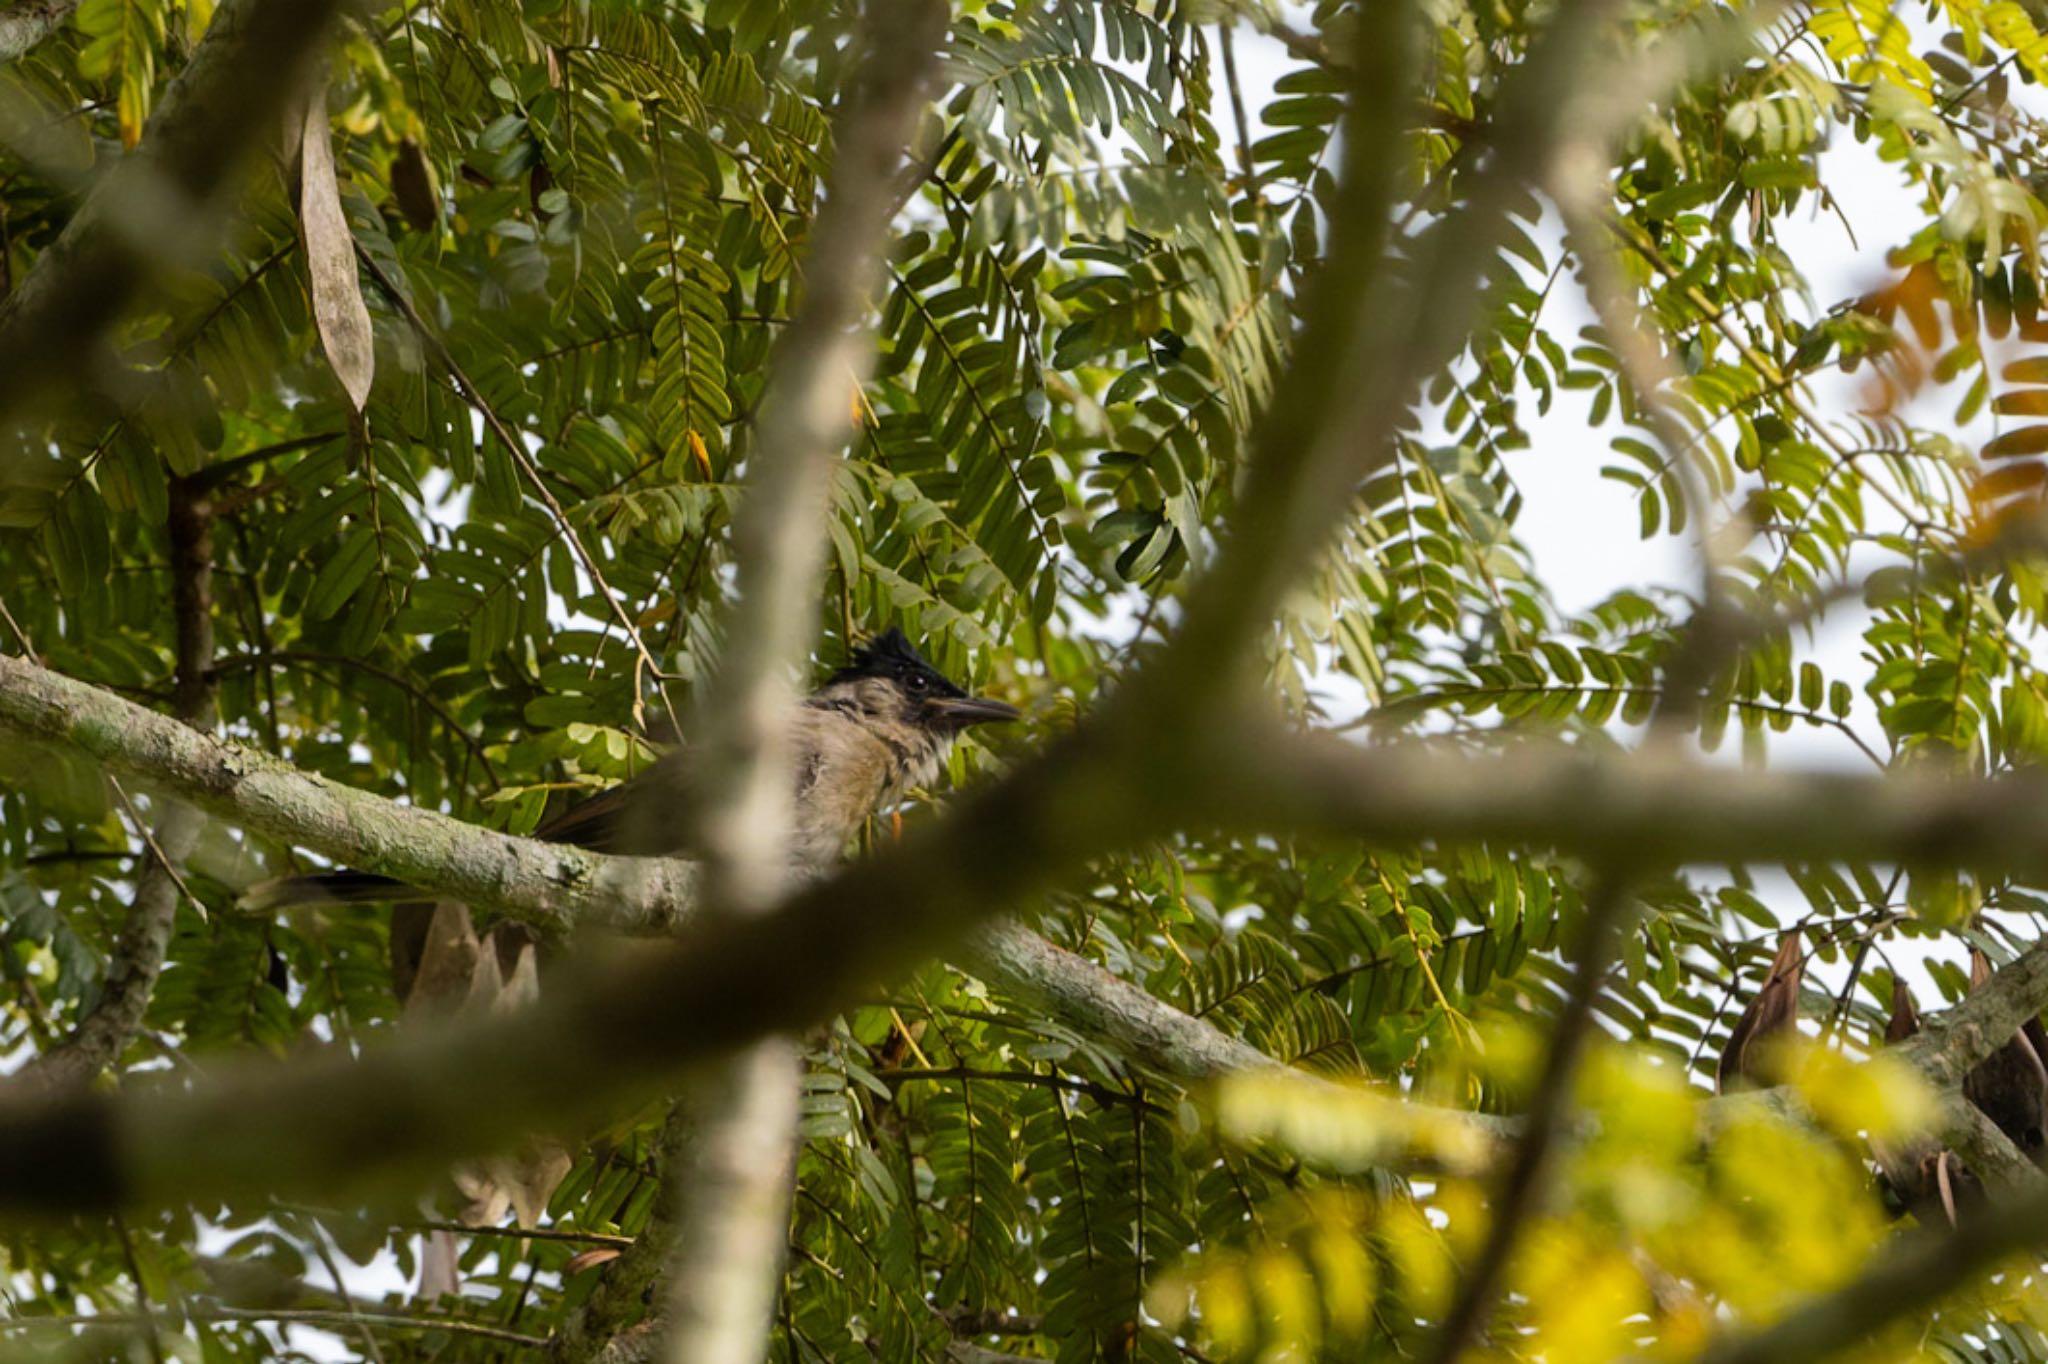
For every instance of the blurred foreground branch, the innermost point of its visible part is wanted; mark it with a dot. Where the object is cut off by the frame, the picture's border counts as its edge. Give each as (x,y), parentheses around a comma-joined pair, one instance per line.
(733,1175)
(158,204)
(620,1033)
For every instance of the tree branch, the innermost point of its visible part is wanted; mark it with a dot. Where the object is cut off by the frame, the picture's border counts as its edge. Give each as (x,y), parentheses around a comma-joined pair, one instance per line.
(229,95)
(1985,1149)
(1521,1184)
(1954,1041)
(27,22)
(1641,809)
(1136,1025)
(549,885)
(619,1033)
(1371,334)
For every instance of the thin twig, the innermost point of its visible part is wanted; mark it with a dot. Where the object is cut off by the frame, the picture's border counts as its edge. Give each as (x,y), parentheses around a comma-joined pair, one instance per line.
(156,852)
(14,626)
(348,1301)
(517,450)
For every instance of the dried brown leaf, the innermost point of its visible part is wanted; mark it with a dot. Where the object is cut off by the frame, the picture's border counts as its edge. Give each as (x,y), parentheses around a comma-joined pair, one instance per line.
(338,308)
(1772,1016)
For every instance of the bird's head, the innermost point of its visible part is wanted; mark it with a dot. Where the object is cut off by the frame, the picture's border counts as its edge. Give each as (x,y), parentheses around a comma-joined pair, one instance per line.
(888,672)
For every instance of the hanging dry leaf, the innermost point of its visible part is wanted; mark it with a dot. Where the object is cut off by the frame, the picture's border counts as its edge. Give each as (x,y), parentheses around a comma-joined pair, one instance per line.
(1905,1019)
(338,308)
(1771,1018)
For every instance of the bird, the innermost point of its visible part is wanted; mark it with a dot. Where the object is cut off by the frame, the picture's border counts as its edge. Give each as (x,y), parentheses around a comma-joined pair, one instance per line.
(877,728)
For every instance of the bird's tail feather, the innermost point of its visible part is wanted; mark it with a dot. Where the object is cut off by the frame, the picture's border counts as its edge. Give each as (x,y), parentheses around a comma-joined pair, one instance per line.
(324,888)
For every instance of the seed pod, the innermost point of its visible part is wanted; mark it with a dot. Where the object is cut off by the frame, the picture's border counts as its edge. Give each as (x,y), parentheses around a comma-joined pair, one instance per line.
(1905,1019)
(1771,1018)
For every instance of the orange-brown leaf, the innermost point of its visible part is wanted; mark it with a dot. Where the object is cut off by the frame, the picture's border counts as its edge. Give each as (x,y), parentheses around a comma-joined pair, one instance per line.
(2027,440)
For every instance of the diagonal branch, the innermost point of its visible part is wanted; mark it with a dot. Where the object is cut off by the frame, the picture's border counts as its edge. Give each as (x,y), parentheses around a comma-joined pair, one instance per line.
(1521,1188)
(1374,331)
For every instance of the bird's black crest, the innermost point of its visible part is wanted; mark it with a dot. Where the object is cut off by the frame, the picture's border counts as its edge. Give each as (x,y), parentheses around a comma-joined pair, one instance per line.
(891,654)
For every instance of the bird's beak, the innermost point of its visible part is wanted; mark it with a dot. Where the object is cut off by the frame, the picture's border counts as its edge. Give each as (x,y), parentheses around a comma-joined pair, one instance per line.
(962,711)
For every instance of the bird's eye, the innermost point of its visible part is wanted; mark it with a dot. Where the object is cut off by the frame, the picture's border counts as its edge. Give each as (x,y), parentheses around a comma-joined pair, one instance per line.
(915,682)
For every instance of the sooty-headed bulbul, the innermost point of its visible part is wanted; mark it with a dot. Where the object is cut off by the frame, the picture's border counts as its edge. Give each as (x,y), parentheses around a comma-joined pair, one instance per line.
(877,727)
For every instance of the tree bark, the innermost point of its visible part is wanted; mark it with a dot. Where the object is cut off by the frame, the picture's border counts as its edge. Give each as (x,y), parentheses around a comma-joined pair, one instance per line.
(28,22)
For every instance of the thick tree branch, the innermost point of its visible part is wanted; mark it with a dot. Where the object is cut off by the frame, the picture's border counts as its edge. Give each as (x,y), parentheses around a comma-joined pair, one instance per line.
(621,1033)
(138,956)
(545,884)
(1953,1041)
(1643,809)
(27,22)
(1986,1150)
(158,204)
